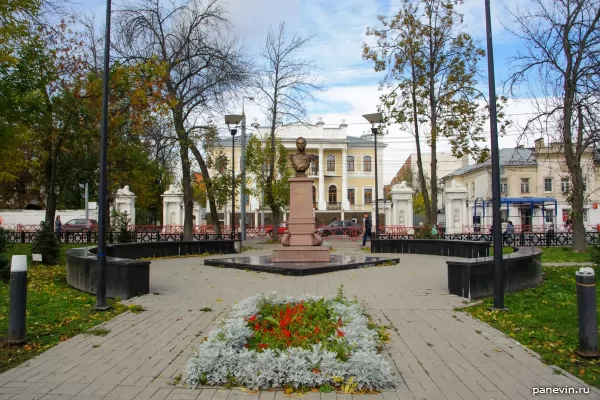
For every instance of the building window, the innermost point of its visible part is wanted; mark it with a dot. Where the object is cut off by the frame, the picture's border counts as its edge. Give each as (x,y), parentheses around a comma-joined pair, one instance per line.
(504,186)
(367,163)
(314,193)
(565,214)
(332,194)
(565,185)
(314,166)
(585,215)
(368,196)
(584,184)
(549,217)
(350,163)
(525,185)
(547,184)
(351,196)
(504,215)
(331,163)
(473,189)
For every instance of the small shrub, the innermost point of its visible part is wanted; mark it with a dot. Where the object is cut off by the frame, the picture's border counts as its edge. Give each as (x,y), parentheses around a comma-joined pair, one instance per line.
(119,222)
(136,308)
(4,268)
(98,332)
(46,244)
(4,243)
(425,233)
(206,309)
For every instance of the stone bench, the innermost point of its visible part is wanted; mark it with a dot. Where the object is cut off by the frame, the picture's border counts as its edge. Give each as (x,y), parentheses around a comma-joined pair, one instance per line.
(126,275)
(474,278)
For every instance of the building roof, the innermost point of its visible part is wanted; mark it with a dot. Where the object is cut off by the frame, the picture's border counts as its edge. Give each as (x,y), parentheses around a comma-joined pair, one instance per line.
(351,141)
(508,157)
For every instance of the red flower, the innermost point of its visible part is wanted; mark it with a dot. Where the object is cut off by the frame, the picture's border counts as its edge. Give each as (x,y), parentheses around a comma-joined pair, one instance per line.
(256,326)
(340,333)
(252,318)
(317,330)
(263,345)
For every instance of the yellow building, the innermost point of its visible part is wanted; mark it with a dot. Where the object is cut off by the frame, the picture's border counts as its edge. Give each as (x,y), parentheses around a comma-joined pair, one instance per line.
(529,173)
(343,173)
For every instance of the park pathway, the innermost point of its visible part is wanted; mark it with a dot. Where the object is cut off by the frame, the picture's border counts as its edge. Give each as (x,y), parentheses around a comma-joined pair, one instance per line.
(438,353)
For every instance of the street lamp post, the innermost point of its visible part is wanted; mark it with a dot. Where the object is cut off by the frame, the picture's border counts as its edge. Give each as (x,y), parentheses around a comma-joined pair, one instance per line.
(497,234)
(243,170)
(233,120)
(375,118)
(103,190)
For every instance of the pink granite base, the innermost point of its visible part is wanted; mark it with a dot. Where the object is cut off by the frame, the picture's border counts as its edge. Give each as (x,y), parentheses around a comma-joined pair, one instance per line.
(300,243)
(301,254)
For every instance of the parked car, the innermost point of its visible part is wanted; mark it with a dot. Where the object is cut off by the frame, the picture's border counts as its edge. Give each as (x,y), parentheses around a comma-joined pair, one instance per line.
(280,231)
(340,228)
(80,225)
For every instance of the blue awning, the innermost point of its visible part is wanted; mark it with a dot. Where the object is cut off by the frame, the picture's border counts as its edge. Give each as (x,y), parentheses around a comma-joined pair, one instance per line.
(527,200)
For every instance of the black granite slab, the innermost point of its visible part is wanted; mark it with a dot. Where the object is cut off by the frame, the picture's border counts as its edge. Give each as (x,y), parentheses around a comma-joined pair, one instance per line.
(266,264)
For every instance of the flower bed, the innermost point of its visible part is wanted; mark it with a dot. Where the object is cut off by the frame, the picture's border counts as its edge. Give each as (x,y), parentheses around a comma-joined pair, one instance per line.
(297,343)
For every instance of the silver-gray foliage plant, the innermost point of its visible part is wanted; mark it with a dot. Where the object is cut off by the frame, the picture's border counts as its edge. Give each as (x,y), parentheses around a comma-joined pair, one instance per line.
(223,357)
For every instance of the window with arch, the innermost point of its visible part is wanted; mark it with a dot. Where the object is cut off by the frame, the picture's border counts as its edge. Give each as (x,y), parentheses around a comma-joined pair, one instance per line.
(332,194)
(331,163)
(367,163)
(350,163)
(314,196)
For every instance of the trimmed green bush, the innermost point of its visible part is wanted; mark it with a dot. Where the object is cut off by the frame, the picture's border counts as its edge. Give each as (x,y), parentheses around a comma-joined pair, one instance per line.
(46,244)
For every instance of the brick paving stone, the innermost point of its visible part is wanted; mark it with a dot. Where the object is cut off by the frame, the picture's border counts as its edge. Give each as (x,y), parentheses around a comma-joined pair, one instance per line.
(69,388)
(435,352)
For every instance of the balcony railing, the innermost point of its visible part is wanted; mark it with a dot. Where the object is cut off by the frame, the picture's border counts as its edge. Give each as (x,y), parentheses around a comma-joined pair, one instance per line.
(334,206)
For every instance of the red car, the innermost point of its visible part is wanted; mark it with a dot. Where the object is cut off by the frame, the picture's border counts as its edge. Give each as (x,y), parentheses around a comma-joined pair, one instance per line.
(282,228)
(80,225)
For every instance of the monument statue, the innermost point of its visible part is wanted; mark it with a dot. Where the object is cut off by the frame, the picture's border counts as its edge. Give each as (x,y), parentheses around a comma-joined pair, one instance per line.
(300,160)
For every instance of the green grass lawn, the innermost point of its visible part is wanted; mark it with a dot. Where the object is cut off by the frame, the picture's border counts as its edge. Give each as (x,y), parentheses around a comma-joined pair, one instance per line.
(545,320)
(505,250)
(55,311)
(563,254)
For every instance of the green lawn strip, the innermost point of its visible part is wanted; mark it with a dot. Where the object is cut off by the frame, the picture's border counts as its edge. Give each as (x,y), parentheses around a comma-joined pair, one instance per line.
(563,254)
(545,320)
(505,250)
(55,311)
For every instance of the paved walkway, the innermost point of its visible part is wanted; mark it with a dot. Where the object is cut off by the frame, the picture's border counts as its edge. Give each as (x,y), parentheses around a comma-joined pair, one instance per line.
(438,353)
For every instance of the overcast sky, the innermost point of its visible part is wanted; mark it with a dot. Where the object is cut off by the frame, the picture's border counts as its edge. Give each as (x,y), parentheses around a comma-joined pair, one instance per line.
(339,28)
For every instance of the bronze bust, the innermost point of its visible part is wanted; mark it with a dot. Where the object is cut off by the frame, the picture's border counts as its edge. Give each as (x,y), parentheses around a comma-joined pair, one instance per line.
(301,161)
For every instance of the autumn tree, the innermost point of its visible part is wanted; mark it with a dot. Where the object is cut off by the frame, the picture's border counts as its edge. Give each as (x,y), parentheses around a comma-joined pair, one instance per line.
(431,73)
(258,165)
(204,64)
(560,66)
(284,82)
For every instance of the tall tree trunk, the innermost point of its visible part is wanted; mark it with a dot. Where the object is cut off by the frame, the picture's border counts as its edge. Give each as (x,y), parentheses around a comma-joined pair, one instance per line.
(50,180)
(210,193)
(432,215)
(275,212)
(186,172)
(434,194)
(420,171)
(577,194)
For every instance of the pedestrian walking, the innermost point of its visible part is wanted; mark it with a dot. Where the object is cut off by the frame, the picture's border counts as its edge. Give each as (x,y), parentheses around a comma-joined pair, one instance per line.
(368,226)
(58,227)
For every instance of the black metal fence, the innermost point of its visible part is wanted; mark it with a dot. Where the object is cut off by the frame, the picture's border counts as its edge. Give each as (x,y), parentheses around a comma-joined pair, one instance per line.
(523,239)
(117,237)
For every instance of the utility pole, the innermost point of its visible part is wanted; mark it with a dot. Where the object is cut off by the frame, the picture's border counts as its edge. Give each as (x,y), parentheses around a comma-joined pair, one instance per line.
(87,202)
(103,189)
(497,233)
(243,170)
(243,173)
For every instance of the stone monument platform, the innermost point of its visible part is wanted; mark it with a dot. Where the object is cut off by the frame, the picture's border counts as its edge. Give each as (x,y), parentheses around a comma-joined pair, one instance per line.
(266,264)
